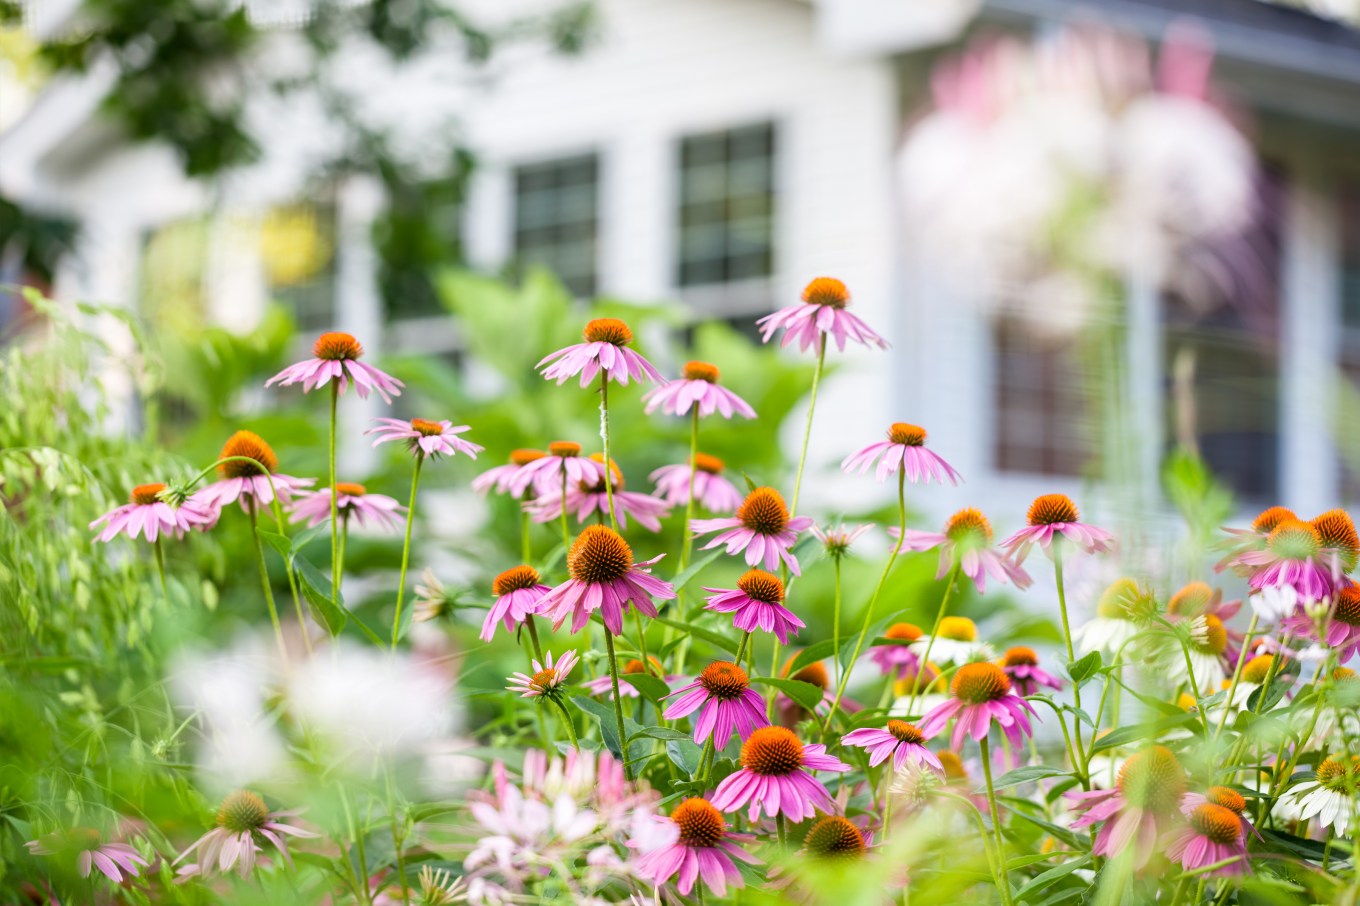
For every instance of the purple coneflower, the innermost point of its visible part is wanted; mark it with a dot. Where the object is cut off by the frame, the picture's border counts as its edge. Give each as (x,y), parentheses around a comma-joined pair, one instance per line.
(980,695)
(774,777)
(1211,834)
(351,501)
(502,478)
(899,740)
(590,497)
(605,349)
(518,594)
(242,820)
(1240,541)
(1054,516)
(1021,664)
(967,541)
(254,484)
(1224,796)
(905,448)
(711,489)
(548,677)
(697,387)
(703,847)
(1293,557)
(1142,806)
(821,313)
(729,703)
(112,860)
(762,527)
(758,602)
(425,437)
(546,473)
(336,358)
(837,539)
(150,516)
(604,578)
(898,661)
(1341,629)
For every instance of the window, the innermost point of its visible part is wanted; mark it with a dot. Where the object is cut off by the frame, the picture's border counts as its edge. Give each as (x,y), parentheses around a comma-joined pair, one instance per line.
(726,215)
(1040,392)
(297,249)
(557,219)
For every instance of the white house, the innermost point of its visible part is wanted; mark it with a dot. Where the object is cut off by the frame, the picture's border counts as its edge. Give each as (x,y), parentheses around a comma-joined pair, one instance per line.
(723,152)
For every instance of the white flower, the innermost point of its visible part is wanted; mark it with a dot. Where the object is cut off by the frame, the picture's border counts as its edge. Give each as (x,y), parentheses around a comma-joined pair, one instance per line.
(953,651)
(1104,634)
(1310,799)
(1273,604)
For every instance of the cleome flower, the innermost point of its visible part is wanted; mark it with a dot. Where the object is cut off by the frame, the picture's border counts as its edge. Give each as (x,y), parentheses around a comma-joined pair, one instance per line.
(255,483)
(836,539)
(905,448)
(711,490)
(967,542)
(605,350)
(1053,517)
(150,516)
(425,438)
(697,388)
(774,777)
(604,578)
(981,694)
(336,358)
(729,704)
(701,846)
(762,527)
(821,314)
(352,501)
(1142,807)
(518,594)
(243,821)
(758,603)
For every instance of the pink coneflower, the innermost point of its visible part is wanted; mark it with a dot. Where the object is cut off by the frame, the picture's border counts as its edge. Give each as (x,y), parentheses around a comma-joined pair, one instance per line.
(1211,834)
(697,387)
(242,820)
(1342,626)
(980,694)
(604,684)
(351,501)
(1021,664)
(967,541)
(546,473)
(589,498)
(604,578)
(254,484)
(112,860)
(1224,796)
(1142,806)
(150,516)
(821,313)
(758,602)
(518,594)
(425,437)
(711,490)
(1050,517)
(1340,542)
(901,741)
(336,358)
(703,847)
(605,349)
(547,678)
(904,448)
(762,527)
(898,661)
(1292,557)
(1239,541)
(836,540)
(502,478)
(728,700)
(774,777)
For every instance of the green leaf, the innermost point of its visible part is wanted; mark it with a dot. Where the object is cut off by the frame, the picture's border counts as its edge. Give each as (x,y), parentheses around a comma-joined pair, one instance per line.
(1040,882)
(1018,776)
(683,578)
(684,754)
(706,635)
(651,687)
(604,714)
(658,733)
(279,542)
(317,589)
(1143,732)
(805,694)
(1083,669)
(812,654)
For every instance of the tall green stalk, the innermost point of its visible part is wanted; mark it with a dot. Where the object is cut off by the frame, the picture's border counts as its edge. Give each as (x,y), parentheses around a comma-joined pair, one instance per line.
(335,493)
(916,687)
(807,428)
(406,548)
(604,437)
(264,580)
(618,701)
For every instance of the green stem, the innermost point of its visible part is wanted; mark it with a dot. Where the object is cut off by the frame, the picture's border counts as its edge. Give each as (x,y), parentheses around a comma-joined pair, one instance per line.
(524,548)
(397,835)
(364,894)
(264,580)
(779,818)
(836,623)
(706,759)
(873,601)
(608,463)
(1237,678)
(335,493)
(1003,880)
(917,687)
(406,549)
(160,568)
(642,641)
(571,727)
(618,701)
(686,543)
(1067,639)
(807,428)
(533,637)
(741,649)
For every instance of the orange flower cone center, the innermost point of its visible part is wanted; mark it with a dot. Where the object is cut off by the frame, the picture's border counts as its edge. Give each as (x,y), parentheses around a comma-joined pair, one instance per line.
(762,586)
(772,752)
(426,427)
(959,629)
(1266,522)
(350,488)
(564,448)
(763,512)
(514,579)
(1228,798)
(608,330)
(909,632)
(1346,605)
(1219,824)
(242,812)
(724,680)
(146,494)
(1153,779)
(700,371)
(1191,600)
(968,526)
(1294,540)
(252,446)
(1215,635)
(834,837)
(1051,509)
(337,347)
(814,673)
(1020,656)
(905,732)
(980,682)
(525,456)
(1256,669)
(711,464)
(700,823)
(907,435)
(599,555)
(1337,530)
(826,291)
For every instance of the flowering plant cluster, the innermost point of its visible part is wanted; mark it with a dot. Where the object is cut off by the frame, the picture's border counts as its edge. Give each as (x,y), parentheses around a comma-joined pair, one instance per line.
(697,730)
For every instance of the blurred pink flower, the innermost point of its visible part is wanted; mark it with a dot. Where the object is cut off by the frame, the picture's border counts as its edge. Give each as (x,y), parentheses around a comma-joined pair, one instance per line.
(900,741)
(547,473)
(255,483)
(822,313)
(981,695)
(966,541)
(148,515)
(547,678)
(502,478)
(904,448)
(112,860)
(351,501)
(242,820)
(590,497)
(1051,517)
(711,490)
(606,349)
(425,437)
(697,387)
(336,358)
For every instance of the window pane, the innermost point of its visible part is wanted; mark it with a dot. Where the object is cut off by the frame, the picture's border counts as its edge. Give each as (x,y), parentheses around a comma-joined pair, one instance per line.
(557,219)
(726,205)
(1040,394)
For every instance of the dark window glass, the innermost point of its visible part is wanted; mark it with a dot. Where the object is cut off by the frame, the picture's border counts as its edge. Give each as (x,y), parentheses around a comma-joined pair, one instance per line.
(726,206)
(1043,419)
(557,219)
